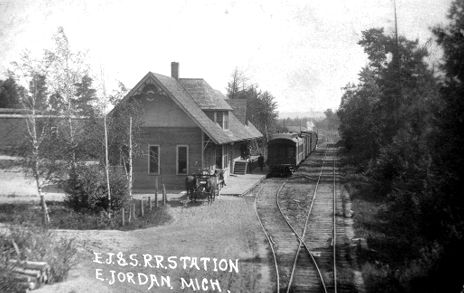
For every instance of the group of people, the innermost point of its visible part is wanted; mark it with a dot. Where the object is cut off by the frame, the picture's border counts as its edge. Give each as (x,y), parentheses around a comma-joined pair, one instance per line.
(260,163)
(246,153)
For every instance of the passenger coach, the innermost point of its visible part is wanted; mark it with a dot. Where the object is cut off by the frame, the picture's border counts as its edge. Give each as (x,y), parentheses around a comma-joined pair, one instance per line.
(285,152)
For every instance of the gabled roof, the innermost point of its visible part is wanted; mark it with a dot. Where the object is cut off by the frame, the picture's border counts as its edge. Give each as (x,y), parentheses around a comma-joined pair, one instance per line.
(237,131)
(177,92)
(204,95)
(253,130)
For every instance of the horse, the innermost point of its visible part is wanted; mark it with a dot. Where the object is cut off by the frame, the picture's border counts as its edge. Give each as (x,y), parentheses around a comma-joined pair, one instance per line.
(220,175)
(191,185)
(212,188)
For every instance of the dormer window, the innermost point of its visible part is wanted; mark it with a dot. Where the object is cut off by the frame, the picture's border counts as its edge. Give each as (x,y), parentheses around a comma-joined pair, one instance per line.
(220,119)
(226,120)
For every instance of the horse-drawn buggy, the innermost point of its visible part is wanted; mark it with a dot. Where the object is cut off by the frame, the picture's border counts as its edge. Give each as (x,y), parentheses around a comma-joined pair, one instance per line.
(204,185)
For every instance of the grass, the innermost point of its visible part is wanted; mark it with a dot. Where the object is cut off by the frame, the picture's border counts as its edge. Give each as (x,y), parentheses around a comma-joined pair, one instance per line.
(377,274)
(388,264)
(65,218)
(19,204)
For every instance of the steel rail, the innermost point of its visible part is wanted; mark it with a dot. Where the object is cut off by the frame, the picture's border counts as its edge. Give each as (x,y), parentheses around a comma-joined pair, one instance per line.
(304,233)
(269,239)
(334,237)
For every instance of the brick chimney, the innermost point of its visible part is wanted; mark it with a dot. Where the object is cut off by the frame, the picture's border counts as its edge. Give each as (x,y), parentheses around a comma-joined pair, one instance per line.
(175,70)
(240,109)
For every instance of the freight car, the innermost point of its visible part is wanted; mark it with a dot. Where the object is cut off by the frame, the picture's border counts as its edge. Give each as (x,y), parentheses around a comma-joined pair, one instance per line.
(287,150)
(310,141)
(306,136)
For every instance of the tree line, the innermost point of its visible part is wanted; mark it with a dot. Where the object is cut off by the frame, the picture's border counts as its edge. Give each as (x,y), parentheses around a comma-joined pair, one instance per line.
(401,126)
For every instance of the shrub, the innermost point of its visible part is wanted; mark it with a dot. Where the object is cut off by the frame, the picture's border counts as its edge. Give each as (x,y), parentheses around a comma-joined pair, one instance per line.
(86,189)
(61,258)
(63,217)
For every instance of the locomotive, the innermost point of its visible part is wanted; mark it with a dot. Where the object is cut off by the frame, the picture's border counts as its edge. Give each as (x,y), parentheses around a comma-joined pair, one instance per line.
(287,150)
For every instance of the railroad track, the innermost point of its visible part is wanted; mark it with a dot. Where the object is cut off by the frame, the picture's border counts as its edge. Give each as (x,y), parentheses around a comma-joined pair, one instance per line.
(299,221)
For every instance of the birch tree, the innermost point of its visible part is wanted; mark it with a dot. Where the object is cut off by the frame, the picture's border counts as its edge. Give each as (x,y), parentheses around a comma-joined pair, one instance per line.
(42,157)
(66,71)
(125,128)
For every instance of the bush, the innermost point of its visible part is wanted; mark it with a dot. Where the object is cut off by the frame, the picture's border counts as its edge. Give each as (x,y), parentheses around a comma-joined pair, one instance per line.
(63,217)
(35,244)
(86,190)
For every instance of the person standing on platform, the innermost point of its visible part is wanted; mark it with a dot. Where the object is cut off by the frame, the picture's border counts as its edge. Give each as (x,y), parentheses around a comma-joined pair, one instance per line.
(261,162)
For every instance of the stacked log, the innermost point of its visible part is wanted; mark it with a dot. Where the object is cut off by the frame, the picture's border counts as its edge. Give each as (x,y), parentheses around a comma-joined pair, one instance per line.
(29,275)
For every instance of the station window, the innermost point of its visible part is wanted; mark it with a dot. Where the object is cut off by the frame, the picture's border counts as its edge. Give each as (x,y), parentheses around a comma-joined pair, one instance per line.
(182,160)
(153,159)
(226,156)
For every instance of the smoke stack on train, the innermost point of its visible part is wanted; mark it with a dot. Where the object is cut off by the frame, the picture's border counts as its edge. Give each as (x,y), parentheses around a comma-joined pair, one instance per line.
(287,150)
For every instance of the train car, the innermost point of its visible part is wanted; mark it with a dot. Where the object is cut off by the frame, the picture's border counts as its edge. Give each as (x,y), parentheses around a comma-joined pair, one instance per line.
(301,150)
(285,153)
(311,140)
(308,144)
(306,136)
(314,140)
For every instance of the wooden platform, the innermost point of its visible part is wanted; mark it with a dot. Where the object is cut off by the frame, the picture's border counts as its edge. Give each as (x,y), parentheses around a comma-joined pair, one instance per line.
(239,185)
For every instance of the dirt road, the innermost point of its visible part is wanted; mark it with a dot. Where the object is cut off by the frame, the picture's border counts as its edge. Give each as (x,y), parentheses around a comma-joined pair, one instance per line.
(226,233)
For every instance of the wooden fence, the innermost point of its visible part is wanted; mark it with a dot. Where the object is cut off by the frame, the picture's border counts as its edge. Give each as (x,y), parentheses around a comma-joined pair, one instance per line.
(139,207)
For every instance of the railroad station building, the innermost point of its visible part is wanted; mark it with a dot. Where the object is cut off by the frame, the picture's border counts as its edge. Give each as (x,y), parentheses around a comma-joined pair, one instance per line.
(187,126)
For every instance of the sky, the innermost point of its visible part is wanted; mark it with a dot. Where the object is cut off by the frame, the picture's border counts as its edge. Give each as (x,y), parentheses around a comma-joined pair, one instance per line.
(302,52)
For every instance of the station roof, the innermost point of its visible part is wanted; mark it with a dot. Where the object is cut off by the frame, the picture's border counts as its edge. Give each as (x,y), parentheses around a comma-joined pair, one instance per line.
(204,95)
(195,95)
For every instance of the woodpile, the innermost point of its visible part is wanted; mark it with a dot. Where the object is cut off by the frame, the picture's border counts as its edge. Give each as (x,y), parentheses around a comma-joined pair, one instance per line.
(28,275)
